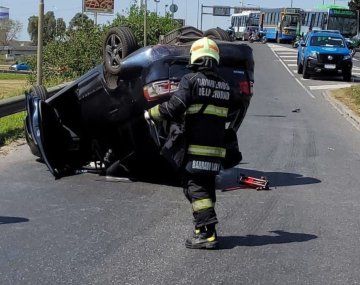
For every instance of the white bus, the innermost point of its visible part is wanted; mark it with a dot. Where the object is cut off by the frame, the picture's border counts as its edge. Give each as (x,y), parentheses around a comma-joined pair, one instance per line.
(334,18)
(245,23)
(281,24)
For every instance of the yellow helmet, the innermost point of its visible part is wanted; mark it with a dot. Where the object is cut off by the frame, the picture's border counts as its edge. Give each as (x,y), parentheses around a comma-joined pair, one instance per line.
(204,47)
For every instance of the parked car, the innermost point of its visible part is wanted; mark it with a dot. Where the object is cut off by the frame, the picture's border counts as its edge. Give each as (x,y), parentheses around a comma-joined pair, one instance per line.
(99,117)
(324,51)
(19,66)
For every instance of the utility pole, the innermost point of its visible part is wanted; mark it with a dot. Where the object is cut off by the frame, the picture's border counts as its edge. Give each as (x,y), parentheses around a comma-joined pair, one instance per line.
(156,5)
(40,43)
(291,4)
(145,22)
(197,18)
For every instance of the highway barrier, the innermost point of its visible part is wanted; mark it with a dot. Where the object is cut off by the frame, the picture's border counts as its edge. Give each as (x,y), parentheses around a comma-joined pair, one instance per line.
(17,104)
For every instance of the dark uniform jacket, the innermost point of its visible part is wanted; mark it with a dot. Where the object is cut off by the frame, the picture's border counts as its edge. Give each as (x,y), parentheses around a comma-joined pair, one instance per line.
(204,98)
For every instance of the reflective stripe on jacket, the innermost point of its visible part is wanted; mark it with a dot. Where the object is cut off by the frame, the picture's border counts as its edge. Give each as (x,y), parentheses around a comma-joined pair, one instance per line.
(204,98)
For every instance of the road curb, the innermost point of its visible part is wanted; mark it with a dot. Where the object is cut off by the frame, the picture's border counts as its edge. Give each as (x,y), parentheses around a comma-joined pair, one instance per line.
(348,114)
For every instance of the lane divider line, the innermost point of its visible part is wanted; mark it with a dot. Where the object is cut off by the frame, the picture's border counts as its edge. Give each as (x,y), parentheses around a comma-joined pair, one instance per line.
(292,75)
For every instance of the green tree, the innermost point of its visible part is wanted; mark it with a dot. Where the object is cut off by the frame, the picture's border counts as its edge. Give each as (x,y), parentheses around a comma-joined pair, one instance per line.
(33,29)
(354,4)
(68,57)
(79,21)
(156,25)
(60,28)
(50,27)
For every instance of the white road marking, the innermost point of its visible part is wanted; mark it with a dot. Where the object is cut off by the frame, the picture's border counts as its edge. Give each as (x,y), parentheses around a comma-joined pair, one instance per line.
(355,59)
(327,87)
(292,75)
(288,56)
(355,68)
(286,52)
(292,64)
(290,60)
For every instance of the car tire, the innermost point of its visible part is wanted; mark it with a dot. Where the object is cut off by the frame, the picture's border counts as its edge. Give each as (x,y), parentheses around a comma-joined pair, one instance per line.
(181,35)
(119,43)
(40,92)
(304,72)
(347,75)
(213,34)
(224,35)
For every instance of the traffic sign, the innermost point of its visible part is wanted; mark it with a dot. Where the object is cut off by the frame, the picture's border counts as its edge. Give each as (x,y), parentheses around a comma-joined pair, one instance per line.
(173,8)
(221,10)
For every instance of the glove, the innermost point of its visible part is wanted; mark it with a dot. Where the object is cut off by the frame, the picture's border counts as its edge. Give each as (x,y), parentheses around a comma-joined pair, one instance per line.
(147,115)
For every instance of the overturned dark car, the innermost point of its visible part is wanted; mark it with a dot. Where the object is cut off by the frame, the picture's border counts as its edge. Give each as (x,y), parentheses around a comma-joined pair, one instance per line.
(99,117)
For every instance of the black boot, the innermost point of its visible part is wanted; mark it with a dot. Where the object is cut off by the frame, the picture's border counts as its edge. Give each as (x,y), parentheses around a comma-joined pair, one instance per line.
(203,238)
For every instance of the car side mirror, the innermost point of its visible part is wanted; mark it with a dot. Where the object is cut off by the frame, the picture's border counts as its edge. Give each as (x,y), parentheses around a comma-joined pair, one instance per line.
(303,44)
(349,45)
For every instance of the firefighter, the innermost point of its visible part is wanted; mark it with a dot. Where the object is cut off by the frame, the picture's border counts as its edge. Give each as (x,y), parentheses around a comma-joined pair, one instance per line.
(202,100)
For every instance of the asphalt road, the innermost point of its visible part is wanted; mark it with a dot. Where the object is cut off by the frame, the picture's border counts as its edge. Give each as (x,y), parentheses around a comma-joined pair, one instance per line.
(84,230)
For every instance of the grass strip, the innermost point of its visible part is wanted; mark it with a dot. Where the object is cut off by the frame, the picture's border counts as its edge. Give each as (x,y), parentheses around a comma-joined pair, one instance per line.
(350,97)
(13,76)
(11,128)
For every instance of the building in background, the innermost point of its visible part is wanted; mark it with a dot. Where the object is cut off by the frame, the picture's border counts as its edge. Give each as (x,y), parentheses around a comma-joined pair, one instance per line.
(4,15)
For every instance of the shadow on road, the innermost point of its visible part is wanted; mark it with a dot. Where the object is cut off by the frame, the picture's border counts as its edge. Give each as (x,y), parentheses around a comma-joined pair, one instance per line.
(12,220)
(229,242)
(229,178)
(333,78)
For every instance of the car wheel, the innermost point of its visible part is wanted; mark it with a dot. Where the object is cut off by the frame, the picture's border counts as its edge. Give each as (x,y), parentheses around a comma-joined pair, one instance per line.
(119,43)
(304,71)
(40,92)
(347,75)
(213,34)
(181,35)
(224,35)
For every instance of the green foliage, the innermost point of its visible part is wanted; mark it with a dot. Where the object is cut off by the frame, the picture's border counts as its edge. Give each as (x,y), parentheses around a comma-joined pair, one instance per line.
(53,28)
(11,128)
(156,25)
(67,59)
(81,48)
(80,21)
(12,76)
(354,4)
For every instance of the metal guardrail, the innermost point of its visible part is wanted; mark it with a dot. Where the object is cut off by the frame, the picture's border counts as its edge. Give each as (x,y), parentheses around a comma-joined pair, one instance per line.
(17,104)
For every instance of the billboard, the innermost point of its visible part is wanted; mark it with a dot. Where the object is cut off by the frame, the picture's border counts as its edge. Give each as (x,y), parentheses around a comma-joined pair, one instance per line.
(221,11)
(242,9)
(99,6)
(4,13)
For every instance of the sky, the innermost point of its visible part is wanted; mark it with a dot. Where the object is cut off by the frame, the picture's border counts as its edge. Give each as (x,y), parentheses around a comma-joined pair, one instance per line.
(21,10)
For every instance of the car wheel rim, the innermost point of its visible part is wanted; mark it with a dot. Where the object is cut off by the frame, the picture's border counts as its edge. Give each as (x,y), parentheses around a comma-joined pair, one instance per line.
(114,50)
